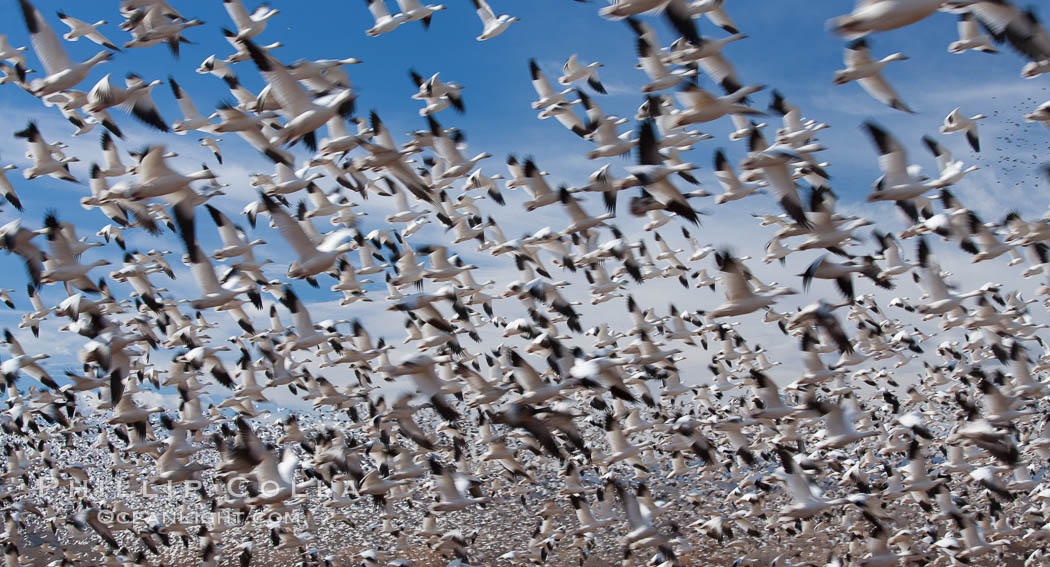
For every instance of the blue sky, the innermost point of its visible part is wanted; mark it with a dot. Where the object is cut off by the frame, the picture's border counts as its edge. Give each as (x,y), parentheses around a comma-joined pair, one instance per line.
(788,49)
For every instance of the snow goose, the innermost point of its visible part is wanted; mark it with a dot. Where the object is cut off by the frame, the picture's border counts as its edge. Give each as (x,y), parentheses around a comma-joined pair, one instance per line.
(794,133)
(733,188)
(701,106)
(441,269)
(563,112)
(20,361)
(156,179)
(436,94)
(79,29)
(715,11)
(44,162)
(62,73)
(588,523)
(573,71)
(581,221)
(951,171)
(234,243)
(1006,22)
(543,88)
(8,190)
(941,299)
(839,431)
(740,297)
(541,193)
(62,264)
(285,180)
(988,244)
(157,23)
(653,175)
(456,491)
(707,54)
(862,68)
(773,406)
(114,166)
(213,294)
(312,258)
(1040,114)
(806,499)
(384,22)
(883,15)
(639,518)
(384,154)
(609,143)
(192,118)
(775,162)
(623,8)
(890,251)
(455,164)
(248,25)
(17,239)
(956,121)
(136,97)
(491,25)
(303,115)
(660,77)
(414,10)
(897,182)
(970,37)
(10,53)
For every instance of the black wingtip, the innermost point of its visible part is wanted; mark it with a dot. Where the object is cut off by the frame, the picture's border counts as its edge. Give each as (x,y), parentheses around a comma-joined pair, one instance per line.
(259,57)
(29,14)
(534,69)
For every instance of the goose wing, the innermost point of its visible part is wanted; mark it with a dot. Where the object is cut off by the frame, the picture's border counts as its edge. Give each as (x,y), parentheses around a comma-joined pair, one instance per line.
(893,160)
(484,11)
(289,229)
(695,97)
(539,81)
(186,106)
(378,9)
(1006,22)
(203,271)
(45,42)
(857,54)
(879,88)
(238,13)
(285,88)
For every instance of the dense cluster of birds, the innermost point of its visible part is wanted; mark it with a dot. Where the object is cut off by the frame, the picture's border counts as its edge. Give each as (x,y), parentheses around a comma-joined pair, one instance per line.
(511,426)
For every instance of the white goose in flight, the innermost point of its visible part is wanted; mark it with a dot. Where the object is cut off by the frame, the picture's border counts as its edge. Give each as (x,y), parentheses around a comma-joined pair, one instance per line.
(883,15)
(79,29)
(44,162)
(715,11)
(192,118)
(573,71)
(956,121)
(414,10)
(547,94)
(620,9)
(740,297)
(384,22)
(733,188)
(862,68)
(897,182)
(62,73)
(491,24)
(312,258)
(970,37)
(248,25)
(303,114)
